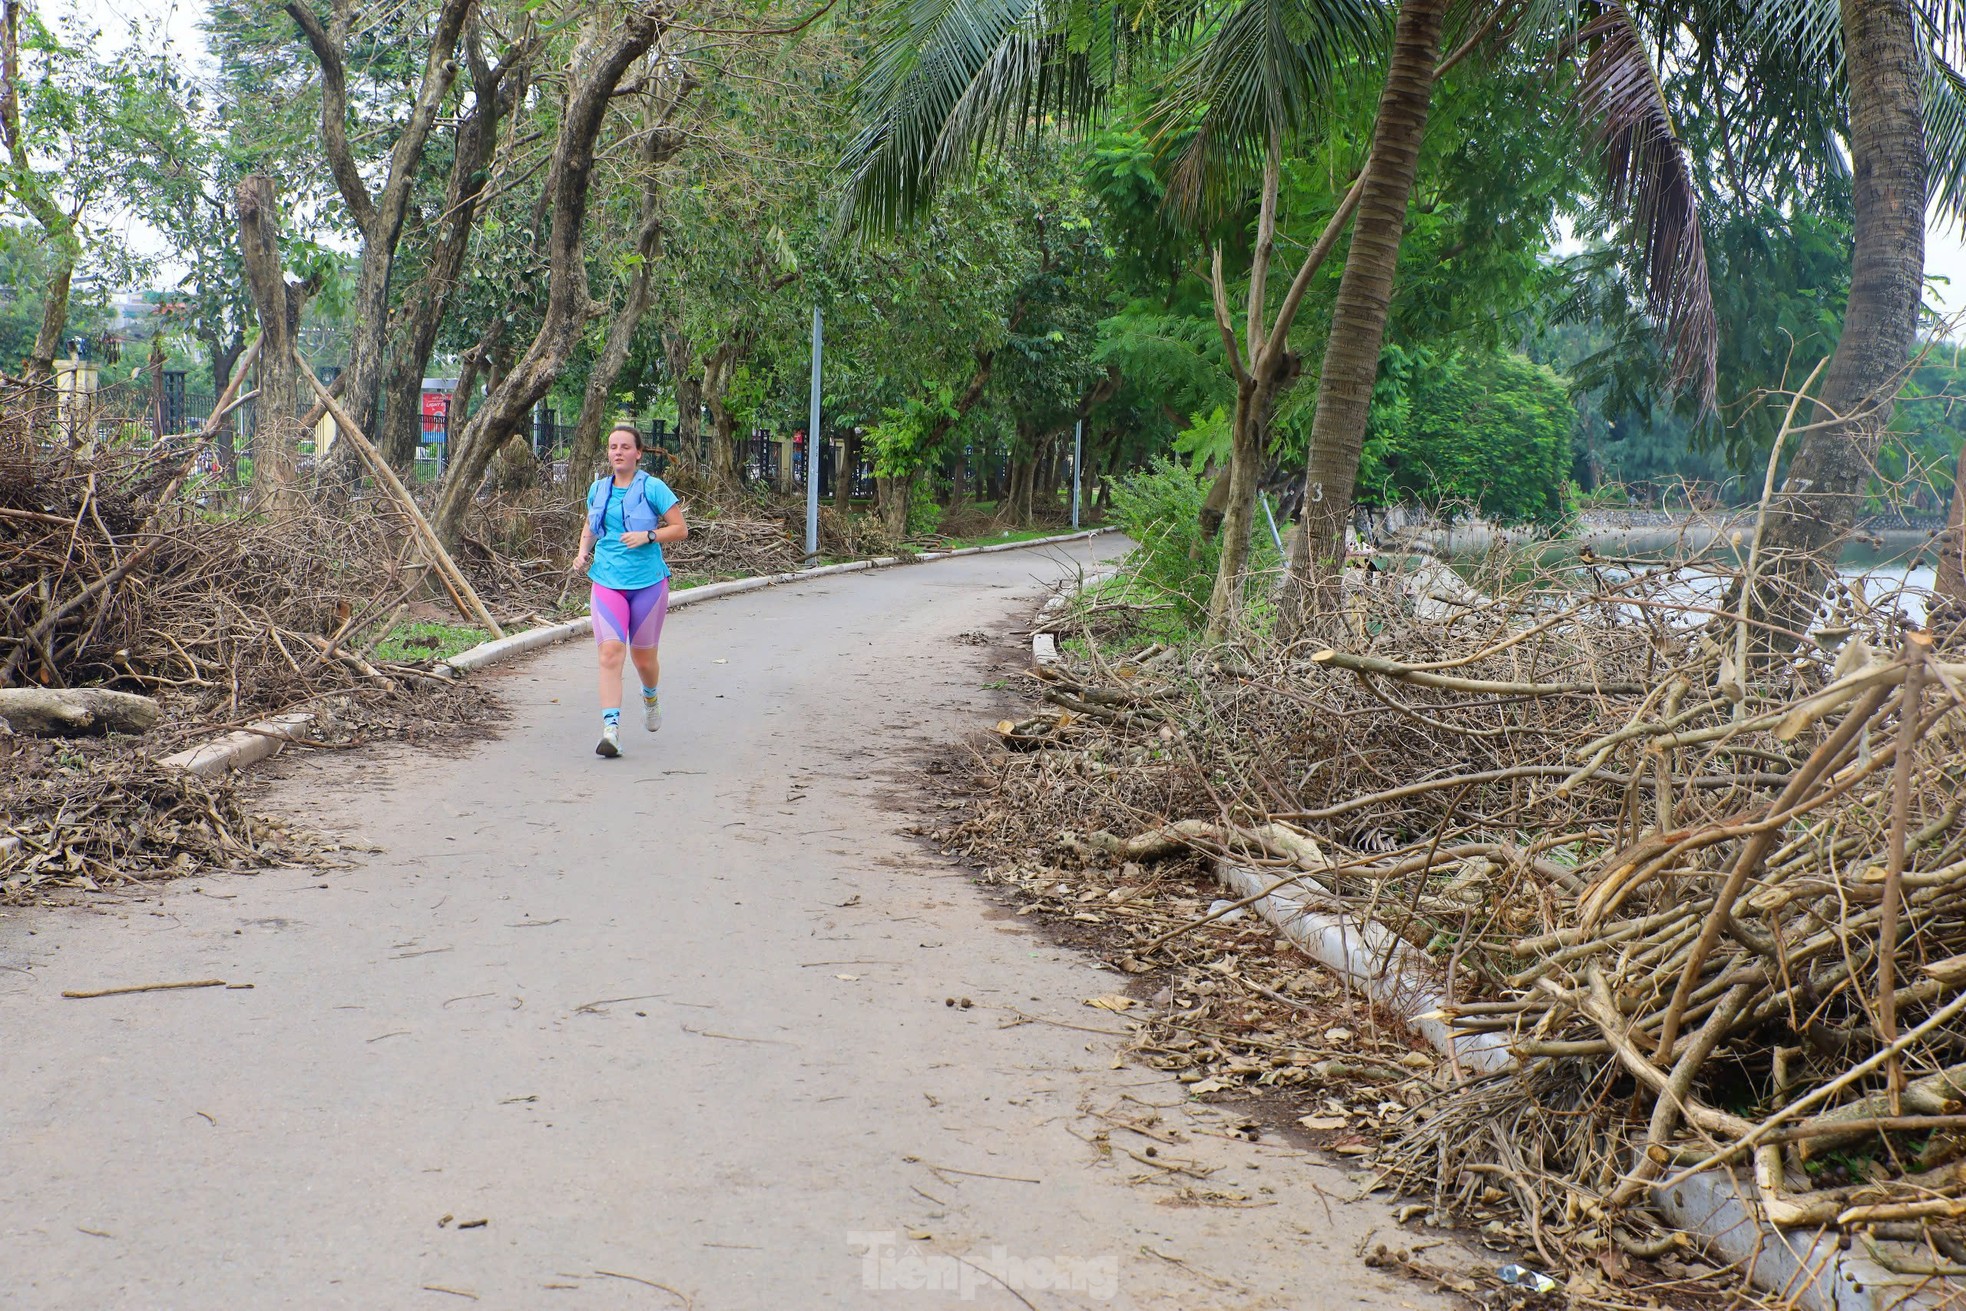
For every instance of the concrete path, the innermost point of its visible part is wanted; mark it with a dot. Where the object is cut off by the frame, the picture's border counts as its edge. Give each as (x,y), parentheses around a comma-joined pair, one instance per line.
(653,1032)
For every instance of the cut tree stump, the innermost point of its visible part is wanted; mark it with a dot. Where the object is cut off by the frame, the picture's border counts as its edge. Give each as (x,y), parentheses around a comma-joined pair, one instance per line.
(64,712)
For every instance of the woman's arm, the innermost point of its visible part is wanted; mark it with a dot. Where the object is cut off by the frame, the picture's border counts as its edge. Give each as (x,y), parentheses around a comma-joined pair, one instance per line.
(586,545)
(673,529)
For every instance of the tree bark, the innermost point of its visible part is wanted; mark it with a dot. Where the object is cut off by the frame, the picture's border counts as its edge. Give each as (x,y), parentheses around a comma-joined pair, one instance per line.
(681,354)
(47,712)
(1818,501)
(379,218)
(224,356)
(895,496)
(843,466)
(1257,386)
(275,431)
(1951,550)
(57,224)
(1358,324)
(717,368)
(494,90)
(606,51)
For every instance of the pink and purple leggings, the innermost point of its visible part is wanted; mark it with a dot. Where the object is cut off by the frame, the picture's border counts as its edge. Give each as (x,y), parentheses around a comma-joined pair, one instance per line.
(632,617)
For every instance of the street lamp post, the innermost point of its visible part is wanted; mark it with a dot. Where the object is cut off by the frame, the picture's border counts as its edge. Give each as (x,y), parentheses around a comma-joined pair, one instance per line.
(812,445)
(1078,450)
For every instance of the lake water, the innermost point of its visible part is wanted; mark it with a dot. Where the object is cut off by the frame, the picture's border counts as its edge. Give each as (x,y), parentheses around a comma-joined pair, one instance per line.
(1894,578)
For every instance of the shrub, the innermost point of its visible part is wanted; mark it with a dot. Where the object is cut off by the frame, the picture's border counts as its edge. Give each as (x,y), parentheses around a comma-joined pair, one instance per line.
(1159,507)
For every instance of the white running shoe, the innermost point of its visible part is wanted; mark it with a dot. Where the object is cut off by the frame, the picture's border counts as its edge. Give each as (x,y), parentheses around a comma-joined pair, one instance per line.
(651,713)
(610,743)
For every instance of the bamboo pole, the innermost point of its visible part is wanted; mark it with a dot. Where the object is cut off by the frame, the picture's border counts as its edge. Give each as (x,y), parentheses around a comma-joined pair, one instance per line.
(473,607)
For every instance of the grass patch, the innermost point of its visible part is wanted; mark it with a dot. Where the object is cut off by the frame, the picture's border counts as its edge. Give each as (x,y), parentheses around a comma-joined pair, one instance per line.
(1121,615)
(411,643)
(1001,536)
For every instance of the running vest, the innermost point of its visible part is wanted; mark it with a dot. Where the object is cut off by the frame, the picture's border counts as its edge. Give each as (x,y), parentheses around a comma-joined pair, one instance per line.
(637,514)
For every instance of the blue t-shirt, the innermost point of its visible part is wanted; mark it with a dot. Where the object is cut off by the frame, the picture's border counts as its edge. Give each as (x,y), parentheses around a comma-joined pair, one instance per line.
(627,568)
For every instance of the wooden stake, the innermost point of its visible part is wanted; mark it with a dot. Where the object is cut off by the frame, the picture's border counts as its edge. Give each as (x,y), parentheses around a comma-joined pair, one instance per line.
(1910,711)
(146,987)
(472,607)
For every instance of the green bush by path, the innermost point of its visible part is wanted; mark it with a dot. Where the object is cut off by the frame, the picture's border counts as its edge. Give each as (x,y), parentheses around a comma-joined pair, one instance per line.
(1159,507)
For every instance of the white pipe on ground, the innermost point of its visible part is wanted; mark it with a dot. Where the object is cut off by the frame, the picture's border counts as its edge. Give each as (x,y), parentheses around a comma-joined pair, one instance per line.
(1809,1267)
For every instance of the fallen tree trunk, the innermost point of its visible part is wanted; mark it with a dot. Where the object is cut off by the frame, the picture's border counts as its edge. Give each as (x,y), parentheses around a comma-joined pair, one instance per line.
(65,712)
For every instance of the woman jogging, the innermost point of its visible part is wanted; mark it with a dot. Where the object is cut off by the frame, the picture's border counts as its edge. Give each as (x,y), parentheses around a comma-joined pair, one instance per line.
(629,516)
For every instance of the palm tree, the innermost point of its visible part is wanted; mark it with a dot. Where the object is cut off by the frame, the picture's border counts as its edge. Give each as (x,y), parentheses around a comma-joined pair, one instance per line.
(1892,59)
(950,75)
(1649,176)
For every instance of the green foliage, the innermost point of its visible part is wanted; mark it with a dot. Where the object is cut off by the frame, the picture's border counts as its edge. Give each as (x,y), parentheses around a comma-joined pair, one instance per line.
(899,440)
(1159,507)
(23,282)
(1483,430)
(924,517)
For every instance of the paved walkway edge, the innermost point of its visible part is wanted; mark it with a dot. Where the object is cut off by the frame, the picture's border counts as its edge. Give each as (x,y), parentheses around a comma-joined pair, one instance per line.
(256,742)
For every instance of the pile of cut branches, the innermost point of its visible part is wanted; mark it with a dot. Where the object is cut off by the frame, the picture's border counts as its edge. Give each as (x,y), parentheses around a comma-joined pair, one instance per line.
(222,615)
(1709,908)
(77,819)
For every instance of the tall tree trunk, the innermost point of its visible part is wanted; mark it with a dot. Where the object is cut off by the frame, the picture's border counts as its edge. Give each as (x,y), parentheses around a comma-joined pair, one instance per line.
(718,366)
(1951,549)
(276,431)
(606,51)
(1257,385)
(379,217)
(843,466)
(224,356)
(681,355)
(895,497)
(27,187)
(39,366)
(1813,513)
(1017,496)
(493,92)
(959,479)
(660,144)
(1358,324)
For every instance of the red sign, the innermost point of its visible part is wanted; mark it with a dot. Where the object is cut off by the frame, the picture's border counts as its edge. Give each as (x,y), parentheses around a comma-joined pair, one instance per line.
(436,411)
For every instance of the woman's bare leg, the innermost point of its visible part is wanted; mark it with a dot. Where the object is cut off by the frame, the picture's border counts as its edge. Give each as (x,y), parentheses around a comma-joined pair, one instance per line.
(647,665)
(612,656)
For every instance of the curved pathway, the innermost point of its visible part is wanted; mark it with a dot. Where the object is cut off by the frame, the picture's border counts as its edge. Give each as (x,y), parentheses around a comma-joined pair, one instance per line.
(674,1027)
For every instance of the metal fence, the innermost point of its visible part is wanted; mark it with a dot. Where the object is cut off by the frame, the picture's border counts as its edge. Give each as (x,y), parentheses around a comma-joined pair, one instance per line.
(142,414)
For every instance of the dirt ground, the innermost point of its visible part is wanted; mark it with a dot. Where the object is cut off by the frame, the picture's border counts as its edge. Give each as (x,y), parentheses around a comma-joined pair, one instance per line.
(696,1027)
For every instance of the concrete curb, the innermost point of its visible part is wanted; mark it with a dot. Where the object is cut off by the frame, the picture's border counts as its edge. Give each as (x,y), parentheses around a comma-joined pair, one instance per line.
(258,741)
(245,747)
(1044,646)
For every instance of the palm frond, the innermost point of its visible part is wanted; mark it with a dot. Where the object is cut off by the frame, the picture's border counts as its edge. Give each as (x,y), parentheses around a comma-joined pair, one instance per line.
(947,74)
(1264,70)
(1811,29)
(1944,96)
(1651,179)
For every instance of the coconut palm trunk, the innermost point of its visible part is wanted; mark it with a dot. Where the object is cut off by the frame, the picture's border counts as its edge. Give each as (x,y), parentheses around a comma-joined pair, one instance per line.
(1819,498)
(1365,292)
